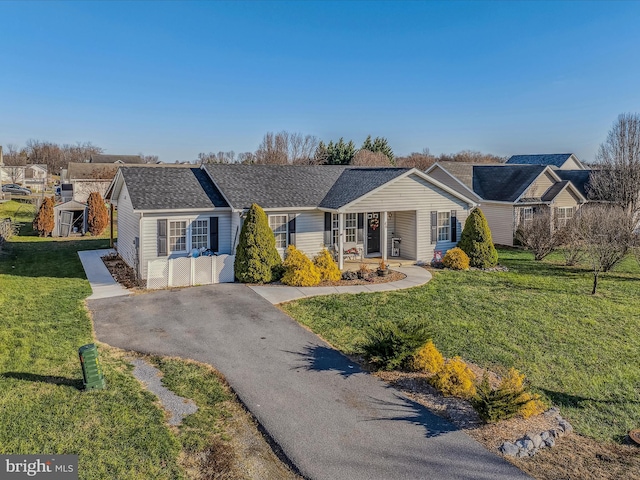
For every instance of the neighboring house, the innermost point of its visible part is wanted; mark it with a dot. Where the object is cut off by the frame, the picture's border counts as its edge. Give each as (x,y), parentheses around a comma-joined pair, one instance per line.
(33,176)
(167,212)
(511,193)
(120,159)
(562,161)
(90,177)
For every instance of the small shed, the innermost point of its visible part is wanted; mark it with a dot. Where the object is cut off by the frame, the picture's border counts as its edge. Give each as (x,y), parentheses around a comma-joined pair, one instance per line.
(69,217)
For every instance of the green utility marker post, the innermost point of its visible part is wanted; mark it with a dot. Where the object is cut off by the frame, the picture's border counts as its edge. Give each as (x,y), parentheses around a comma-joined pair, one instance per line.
(91,371)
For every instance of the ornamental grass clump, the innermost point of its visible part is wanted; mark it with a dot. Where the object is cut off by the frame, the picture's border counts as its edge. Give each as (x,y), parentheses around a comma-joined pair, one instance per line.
(456,259)
(455,379)
(299,270)
(391,345)
(327,267)
(511,398)
(428,359)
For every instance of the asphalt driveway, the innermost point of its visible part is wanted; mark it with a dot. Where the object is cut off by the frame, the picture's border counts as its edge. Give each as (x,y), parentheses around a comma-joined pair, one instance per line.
(332,420)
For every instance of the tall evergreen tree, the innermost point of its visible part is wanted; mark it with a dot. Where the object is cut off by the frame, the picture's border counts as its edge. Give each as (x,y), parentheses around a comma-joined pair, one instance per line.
(379,145)
(256,254)
(476,241)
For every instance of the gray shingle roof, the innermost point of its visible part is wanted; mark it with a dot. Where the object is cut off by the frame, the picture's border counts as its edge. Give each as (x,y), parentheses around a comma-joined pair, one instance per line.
(553,159)
(554,190)
(463,171)
(504,183)
(165,188)
(274,186)
(356,182)
(579,178)
(101,158)
(92,171)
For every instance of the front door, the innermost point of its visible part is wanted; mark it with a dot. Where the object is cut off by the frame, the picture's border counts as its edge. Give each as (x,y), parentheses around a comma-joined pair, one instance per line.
(373,233)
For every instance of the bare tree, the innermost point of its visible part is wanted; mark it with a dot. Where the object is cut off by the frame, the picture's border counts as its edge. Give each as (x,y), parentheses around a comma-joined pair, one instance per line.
(220,157)
(286,148)
(420,160)
(247,158)
(616,176)
(149,158)
(607,233)
(366,158)
(572,242)
(302,148)
(13,156)
(537,233)
(470,156)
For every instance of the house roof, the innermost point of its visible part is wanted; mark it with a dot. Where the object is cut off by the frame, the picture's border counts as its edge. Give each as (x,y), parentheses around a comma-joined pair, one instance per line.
(356,182)
(554,190)
(504,183)
(101,158)
(553,159)
(274,186)
(463,171)
(92,171)
(579,178)
(169,188)
(70,205)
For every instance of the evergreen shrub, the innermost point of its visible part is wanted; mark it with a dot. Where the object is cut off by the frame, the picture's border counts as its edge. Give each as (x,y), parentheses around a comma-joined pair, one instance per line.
(299,270)
(476,241)
(327,267)
(456,259)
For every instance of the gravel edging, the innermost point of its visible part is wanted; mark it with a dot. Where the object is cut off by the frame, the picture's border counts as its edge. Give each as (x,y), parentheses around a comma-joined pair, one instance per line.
(178,407)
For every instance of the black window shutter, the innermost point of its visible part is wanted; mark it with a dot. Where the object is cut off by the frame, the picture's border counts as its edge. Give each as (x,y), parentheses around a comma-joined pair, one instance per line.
(454,226)
(162,238)
(434,227)
(292,229)
(360,237)
(213,234)
(327,228)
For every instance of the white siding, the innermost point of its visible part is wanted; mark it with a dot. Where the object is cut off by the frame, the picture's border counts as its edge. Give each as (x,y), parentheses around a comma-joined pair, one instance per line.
(572,164)
(540,186)
(405,228)
(149,238)
(413,193)
(128,227)
(310,232)
(500,218)
(566,199)
(81,190)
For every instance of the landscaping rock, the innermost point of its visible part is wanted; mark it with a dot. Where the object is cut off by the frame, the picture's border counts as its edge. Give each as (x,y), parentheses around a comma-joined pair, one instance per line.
(550,442)
(535,439)
(544,435)
(509,449)
(552,412)
(349,275)
(525,444)
(565,426)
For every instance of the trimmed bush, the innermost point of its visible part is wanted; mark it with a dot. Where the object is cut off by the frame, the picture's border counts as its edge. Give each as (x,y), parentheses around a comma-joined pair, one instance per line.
(257,259)
(456,259)
(97,214)
(391,345)
(299,270)
(327,267)
(476,241)
(455,379)
(511,398)
(43,223)
(428,359)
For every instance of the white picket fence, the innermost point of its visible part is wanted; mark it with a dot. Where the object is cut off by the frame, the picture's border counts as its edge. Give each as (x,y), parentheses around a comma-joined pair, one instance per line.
(187,271)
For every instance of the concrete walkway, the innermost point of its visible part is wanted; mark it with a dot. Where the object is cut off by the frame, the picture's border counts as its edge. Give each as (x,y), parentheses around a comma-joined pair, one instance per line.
(102,283)
(275,294)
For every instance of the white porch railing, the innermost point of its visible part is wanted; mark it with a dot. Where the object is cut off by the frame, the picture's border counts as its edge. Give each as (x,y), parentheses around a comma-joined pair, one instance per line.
(188,271)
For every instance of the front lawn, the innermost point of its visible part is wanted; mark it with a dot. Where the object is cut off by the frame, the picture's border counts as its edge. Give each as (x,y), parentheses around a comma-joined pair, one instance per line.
(580,351)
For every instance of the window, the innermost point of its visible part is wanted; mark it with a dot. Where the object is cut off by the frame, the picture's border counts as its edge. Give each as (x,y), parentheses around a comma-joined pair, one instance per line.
(350,227)
(335,231)
(564,215)
(526,213)
(200,234)
(178,236)
(278,224)
(444,226)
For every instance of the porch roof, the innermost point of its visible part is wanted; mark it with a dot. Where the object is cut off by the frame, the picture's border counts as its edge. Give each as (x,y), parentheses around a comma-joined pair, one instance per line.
(354,183)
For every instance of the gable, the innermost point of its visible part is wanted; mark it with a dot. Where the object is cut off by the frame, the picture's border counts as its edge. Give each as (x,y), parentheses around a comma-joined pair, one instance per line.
(538,188)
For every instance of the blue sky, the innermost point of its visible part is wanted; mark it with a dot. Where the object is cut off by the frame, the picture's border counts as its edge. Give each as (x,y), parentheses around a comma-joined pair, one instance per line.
(177,78)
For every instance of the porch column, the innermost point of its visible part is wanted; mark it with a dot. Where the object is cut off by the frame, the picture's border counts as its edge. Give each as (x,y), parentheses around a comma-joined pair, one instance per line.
(340,241)
(383,234)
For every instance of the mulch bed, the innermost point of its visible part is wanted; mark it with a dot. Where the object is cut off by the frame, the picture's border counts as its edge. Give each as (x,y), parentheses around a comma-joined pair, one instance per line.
(121,272)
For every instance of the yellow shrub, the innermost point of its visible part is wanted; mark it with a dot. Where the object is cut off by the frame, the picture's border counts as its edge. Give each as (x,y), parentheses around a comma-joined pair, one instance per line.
(327,267)
(299,270)
(455,379)
(428,359)
(456,259)
(533,405)
(529,403)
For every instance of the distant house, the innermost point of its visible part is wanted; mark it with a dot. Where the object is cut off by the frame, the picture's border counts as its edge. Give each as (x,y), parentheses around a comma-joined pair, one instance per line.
(33,176)
(562,161)
(126,159)
(167,212)
(511,193)
(90,177)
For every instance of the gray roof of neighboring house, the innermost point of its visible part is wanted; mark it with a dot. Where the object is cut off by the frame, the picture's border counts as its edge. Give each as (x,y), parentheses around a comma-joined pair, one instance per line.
(356,182)
(274,186)
(92,171)
(579,178)
(554,190)
(553,159)
(463,171)
(101,158)
(504,183)
(167,188)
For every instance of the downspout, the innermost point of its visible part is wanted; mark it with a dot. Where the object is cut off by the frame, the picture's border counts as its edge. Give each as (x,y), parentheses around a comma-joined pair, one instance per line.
(137,245)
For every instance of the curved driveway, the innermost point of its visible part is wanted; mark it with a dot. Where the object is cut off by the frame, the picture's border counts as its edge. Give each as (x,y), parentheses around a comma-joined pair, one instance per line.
(332,420)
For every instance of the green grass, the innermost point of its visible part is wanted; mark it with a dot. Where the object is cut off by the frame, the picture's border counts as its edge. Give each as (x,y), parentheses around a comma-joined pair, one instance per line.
(580,351)
(119,432)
